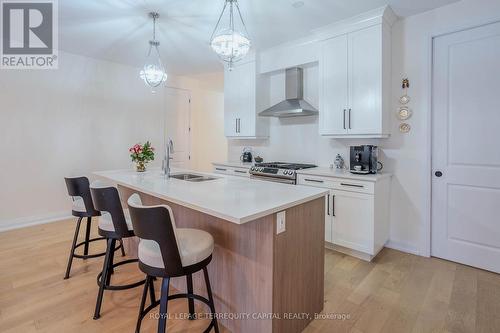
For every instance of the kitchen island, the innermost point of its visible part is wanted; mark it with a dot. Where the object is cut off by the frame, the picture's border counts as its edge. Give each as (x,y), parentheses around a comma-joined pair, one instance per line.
(266,276)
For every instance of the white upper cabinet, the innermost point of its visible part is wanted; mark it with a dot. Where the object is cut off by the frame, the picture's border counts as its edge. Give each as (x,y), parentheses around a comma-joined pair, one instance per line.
(240,103)
(333,94)
(355,84)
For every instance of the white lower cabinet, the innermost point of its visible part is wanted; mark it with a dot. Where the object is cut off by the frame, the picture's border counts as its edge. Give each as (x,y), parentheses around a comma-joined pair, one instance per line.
(352,220)
(357,213)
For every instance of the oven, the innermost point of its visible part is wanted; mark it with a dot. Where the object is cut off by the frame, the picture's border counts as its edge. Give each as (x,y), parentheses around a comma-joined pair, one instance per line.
(278,172)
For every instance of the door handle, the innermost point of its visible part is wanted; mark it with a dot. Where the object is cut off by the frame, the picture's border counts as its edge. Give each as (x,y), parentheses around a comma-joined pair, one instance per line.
(314,180)
(351,185)
(438,174)
(328,205)
(333,205)
(349,118)
(344,118)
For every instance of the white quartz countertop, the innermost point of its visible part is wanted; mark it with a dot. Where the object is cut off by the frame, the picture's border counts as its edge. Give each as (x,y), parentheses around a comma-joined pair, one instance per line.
(327,172)
(235,199)
(235,164)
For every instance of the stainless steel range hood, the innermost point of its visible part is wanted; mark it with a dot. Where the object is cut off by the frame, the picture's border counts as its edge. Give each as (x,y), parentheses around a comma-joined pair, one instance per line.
(294,105)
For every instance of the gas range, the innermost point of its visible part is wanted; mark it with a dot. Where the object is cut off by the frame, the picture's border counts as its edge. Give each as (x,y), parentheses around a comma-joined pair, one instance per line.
(278,171)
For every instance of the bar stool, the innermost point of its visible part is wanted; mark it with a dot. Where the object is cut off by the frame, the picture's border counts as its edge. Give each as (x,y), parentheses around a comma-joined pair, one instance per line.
(167,251)
(114,225)
(83,207)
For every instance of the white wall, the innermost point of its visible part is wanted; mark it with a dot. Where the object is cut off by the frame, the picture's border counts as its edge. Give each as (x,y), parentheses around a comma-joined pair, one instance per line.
(72,121)
(407,156)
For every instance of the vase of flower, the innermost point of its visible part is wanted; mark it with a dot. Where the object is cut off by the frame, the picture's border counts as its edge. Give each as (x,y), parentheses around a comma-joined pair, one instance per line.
(142,155)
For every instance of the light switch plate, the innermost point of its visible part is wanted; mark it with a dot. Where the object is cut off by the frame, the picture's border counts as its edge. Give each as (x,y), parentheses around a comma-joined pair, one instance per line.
(280,222)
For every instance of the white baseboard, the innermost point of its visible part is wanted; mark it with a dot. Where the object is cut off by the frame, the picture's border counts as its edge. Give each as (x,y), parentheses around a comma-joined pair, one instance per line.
(33,220)
(402,247)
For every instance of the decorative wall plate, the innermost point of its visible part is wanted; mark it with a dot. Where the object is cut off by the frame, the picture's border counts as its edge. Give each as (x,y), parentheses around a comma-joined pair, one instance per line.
(405,99)
(404,113)
(404,128)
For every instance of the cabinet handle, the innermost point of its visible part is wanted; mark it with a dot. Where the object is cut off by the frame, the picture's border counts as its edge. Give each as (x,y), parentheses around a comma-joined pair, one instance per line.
(236,125)
(349,118)
(344,118)
(333,205)
(328,205)
(220,169)
(239,125)
(314,180)
(351,185)
(239,171)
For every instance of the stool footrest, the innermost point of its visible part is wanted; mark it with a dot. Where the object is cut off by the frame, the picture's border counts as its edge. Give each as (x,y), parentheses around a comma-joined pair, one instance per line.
(124,286)
(95,255)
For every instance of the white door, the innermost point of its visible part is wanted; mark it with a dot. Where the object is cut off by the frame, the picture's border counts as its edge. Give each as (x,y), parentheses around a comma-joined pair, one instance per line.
(333,87)
(465,148)
(365,81)
(353,220)
(177,125)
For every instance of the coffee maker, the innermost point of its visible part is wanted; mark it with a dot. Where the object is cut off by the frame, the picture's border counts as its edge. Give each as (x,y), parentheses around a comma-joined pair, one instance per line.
(246,155)
(364,159)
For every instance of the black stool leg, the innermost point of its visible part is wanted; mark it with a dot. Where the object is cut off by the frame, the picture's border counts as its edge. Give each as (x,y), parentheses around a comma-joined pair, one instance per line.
(189,283)
(152,290)
(143,303)
(110,262)
(123,249)
(87,237)
(162,323)
(104,278)
(210,298)
(72,252)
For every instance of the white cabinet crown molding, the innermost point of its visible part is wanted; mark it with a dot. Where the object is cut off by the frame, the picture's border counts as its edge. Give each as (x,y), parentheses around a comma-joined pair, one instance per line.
(365,20)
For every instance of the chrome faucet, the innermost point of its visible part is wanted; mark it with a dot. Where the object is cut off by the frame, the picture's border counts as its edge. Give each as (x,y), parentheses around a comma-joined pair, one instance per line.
(169,149)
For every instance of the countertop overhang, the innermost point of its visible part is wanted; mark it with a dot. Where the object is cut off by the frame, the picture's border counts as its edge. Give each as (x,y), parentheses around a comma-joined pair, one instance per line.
(235,199)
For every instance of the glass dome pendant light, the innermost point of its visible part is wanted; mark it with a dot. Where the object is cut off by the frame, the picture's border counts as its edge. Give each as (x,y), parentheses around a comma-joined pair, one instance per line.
(230,44)
(153,73)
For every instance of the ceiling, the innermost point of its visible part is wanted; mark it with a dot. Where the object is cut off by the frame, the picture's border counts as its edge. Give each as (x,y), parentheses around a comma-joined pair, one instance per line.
(119,30)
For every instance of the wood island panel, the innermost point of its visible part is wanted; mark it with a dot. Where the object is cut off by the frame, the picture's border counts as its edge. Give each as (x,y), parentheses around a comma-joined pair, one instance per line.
(255,271)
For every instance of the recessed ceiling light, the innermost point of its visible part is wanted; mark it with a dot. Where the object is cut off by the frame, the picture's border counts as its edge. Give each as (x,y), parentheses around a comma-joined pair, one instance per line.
(298,4)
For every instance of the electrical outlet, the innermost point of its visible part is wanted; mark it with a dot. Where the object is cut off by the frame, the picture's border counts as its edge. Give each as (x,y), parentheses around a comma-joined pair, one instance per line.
(280,222)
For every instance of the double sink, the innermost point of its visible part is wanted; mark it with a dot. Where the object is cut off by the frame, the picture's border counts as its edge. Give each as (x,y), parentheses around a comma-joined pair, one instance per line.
(191,177)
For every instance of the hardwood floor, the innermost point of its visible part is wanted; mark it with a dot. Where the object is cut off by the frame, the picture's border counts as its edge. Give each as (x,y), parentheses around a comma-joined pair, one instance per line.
(398,292)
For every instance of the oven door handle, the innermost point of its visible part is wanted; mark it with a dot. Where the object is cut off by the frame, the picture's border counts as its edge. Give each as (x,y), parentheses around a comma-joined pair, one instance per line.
(273,179)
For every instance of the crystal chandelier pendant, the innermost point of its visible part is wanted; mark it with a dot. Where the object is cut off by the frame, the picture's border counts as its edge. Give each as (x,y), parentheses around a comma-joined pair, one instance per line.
(153,73)
(231,44)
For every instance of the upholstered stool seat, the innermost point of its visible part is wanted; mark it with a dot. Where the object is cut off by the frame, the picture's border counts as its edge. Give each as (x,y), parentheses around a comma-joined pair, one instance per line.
(106,222)
(78,205)
(194,247)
